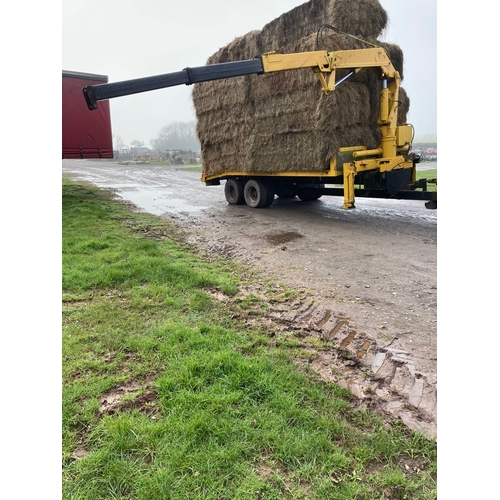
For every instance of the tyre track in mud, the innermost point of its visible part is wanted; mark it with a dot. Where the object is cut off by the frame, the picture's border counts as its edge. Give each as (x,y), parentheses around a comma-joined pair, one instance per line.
(380,376)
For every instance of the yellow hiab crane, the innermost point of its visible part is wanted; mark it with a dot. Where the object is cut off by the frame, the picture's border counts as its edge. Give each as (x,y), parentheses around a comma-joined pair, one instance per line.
(392,160)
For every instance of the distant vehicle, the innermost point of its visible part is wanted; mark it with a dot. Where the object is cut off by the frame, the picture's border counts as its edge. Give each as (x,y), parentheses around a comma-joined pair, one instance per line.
(140,152)
(174,156)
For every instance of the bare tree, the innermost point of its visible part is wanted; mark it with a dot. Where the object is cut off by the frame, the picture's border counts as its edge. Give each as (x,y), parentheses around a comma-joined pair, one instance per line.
(117,142)
(177,135)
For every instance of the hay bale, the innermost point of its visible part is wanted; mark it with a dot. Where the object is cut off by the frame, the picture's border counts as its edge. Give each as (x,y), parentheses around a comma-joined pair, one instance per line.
(403,107)
(243,47)
(363,18)
(283,121)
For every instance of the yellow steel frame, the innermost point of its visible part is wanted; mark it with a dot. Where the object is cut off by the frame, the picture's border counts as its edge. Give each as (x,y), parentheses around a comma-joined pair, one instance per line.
(323,62)
(380,164)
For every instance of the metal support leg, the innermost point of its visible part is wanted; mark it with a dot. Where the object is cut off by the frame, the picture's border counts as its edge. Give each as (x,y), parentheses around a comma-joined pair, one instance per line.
(349,174)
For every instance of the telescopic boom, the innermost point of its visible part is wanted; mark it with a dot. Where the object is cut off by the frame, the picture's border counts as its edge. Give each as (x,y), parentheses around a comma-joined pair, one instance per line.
(187,76)
(321,62)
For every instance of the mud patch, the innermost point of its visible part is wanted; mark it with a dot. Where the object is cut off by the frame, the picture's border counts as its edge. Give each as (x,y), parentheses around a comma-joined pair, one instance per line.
(381,377)
(130,396)
(280,238)
(80,452)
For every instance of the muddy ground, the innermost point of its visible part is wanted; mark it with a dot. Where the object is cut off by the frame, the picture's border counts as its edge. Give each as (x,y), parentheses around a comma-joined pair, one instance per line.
(366,278)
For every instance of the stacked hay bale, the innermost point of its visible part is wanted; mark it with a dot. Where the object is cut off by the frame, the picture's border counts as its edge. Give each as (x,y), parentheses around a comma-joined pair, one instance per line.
(283,121)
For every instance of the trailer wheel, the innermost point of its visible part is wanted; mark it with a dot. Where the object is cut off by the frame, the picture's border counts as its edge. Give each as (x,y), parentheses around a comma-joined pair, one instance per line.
(258,194)
(233,191)
(270,195)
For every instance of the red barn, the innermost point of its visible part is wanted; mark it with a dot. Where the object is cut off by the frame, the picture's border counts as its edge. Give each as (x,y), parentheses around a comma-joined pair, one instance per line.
(85,133)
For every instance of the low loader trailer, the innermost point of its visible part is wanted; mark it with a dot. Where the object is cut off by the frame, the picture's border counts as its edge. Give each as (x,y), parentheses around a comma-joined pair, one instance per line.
(388,171)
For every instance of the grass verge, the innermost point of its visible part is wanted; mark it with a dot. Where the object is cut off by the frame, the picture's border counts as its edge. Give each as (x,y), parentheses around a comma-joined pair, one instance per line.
(167,396)
(428,174)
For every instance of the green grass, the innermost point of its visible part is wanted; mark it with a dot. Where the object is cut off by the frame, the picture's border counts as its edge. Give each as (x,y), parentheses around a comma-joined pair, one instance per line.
(428,174)
(164,163)
(168,395)
(193,169)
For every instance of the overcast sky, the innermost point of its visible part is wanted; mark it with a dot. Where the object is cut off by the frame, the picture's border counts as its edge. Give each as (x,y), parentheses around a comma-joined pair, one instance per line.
(126,39)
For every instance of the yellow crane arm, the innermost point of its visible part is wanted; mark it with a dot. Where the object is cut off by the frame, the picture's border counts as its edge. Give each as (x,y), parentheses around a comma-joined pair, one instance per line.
(325,64)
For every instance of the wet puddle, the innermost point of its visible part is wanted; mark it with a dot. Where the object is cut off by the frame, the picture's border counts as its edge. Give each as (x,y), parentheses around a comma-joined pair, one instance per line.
(361,353)
(348,339)
(158,203)
(325,319)
(280,238)
(336,329)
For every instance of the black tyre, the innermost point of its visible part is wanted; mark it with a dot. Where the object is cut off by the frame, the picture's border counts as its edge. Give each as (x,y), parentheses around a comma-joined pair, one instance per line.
(270,196)
(270,188)
(233,190)
(258,194)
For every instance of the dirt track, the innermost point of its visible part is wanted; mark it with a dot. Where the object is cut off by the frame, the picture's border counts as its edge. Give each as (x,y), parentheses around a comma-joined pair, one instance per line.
(370,275)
